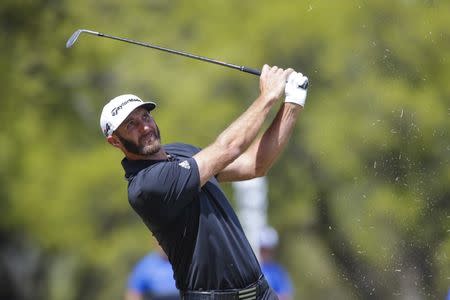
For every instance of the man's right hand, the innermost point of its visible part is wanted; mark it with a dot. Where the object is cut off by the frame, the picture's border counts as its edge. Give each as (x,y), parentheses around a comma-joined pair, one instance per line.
(273,81)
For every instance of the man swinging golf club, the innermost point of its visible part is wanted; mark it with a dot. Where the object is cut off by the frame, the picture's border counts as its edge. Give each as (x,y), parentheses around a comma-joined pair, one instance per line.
(175,188)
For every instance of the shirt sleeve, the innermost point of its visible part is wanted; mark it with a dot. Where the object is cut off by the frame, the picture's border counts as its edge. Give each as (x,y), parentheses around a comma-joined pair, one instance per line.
(165,188)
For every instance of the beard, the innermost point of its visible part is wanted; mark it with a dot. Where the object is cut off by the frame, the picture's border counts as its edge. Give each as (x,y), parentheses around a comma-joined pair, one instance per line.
(141,148)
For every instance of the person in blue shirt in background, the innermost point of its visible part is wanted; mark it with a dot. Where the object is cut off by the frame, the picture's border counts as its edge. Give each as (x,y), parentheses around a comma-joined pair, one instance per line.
(152,279)
(276,275)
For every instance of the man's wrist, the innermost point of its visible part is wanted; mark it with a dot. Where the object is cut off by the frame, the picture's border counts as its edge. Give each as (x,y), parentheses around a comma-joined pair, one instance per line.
(298,102)
(292,108)
(268,98)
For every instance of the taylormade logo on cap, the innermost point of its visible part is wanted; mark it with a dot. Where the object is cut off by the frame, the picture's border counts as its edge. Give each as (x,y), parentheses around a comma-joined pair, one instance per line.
(118,109)
(115,109)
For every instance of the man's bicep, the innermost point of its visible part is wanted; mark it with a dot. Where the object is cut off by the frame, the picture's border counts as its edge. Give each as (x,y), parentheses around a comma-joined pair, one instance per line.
(205,160)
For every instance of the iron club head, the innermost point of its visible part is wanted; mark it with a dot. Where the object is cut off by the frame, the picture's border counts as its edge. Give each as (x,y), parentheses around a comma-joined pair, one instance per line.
(76,34)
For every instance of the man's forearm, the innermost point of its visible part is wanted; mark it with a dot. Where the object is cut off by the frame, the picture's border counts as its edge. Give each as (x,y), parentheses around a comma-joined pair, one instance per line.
(234,140)
(266,149)
(263,152)
(241,133)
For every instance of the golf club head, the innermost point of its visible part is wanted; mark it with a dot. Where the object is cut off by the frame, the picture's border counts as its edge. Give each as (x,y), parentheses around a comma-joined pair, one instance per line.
(75,36)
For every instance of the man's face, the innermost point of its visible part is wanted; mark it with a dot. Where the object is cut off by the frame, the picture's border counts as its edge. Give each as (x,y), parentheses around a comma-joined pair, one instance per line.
(139,133)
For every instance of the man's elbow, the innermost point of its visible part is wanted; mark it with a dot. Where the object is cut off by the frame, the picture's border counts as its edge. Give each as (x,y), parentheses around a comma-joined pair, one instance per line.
(260,170)
(230,150)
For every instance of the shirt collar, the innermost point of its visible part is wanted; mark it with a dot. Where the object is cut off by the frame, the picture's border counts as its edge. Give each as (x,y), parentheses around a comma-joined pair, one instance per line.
(132,167)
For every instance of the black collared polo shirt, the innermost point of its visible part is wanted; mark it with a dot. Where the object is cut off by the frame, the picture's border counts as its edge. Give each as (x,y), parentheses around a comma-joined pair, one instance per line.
(196,227)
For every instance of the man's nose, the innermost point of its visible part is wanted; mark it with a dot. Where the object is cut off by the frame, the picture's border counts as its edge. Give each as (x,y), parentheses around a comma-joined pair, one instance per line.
(144,127)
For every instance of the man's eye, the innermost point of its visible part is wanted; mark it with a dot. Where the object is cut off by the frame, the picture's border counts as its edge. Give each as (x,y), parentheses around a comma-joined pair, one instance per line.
(130,125)
(146,117)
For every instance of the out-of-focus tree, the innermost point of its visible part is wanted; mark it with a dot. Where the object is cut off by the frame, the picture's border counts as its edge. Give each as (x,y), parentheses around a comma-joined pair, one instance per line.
(373,150)
(361,195)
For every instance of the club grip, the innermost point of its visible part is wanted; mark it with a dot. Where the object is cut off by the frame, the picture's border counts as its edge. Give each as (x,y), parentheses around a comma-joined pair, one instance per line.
(251,71)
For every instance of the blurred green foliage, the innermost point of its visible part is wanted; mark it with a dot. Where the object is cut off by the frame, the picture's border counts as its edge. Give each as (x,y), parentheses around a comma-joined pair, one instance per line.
(361,195)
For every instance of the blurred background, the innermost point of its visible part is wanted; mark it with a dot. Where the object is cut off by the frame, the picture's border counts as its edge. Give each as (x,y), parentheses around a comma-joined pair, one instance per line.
(360,198)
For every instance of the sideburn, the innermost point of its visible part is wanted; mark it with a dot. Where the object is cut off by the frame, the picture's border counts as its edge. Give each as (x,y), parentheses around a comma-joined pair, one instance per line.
(129,145)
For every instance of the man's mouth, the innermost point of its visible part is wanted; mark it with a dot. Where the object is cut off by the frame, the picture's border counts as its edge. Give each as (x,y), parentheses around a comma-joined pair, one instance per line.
(151,136)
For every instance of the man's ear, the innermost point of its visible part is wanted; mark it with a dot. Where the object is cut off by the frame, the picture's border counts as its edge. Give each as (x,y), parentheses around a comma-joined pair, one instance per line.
(113,140)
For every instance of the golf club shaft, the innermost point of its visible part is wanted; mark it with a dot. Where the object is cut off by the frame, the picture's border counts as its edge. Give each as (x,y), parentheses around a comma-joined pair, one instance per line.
(77,33)
(202,58)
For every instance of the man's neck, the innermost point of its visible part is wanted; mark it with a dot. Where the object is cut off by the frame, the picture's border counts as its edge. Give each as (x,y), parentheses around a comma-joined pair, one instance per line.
(160,155)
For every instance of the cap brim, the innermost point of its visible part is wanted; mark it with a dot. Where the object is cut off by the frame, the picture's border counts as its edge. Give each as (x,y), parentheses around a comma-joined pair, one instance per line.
(148,105)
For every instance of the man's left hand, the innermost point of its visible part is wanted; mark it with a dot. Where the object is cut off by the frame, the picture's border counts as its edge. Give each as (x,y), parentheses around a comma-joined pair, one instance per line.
(296,89)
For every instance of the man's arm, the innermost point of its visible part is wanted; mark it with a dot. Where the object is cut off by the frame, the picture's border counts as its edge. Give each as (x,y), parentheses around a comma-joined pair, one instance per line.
(235,140)
(261,155)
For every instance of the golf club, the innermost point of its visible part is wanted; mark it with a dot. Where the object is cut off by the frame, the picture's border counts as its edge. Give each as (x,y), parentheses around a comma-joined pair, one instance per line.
(77,33)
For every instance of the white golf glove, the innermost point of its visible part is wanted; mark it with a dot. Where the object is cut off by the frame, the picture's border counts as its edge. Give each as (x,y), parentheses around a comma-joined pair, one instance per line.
(294,91)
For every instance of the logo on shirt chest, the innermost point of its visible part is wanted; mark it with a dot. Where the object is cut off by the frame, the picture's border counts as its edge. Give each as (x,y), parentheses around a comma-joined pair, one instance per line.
(185,164)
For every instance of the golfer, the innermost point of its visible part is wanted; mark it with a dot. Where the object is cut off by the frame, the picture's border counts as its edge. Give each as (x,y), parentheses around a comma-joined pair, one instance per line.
(175,188)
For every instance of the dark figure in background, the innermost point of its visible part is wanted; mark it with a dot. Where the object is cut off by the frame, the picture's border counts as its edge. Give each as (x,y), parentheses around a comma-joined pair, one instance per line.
(175,188)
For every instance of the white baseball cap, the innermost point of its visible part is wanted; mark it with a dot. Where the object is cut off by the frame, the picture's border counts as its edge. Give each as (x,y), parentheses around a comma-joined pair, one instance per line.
(118,109)
(268,237)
